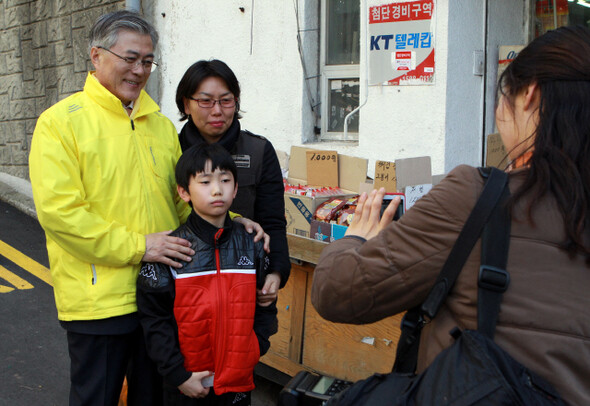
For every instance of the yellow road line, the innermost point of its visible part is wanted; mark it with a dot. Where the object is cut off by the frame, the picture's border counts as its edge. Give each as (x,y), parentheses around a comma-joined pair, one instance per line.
(5,289)
(25,262)
(15,280)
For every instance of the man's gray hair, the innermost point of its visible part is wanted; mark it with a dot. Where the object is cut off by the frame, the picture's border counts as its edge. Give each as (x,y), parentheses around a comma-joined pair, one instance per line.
(105,31)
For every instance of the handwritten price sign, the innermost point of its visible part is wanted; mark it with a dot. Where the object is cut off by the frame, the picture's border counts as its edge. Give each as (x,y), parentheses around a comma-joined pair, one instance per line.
(496,152)
(322,168)
(385,176)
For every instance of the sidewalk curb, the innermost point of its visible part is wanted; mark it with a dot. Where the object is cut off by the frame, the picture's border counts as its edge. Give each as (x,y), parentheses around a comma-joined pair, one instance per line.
(18,193)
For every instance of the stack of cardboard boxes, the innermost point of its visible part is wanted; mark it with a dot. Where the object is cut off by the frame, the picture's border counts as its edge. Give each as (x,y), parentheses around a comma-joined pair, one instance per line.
(299,210)
(350,175)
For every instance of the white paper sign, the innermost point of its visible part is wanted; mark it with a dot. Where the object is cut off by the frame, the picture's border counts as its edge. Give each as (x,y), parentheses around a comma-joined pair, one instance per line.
(414,193)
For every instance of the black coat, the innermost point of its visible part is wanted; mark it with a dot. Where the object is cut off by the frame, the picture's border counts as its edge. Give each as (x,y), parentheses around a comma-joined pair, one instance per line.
(156,291)
(260,186)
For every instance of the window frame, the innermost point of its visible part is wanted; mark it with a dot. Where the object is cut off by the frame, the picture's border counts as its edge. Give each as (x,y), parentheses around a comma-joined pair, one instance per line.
(333,72)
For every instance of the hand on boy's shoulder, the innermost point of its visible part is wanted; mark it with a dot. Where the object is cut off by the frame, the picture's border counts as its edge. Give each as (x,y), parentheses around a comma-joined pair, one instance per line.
(253,227)
(164,248)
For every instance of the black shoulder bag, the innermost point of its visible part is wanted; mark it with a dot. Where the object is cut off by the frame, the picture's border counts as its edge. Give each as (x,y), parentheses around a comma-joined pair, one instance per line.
(474,370)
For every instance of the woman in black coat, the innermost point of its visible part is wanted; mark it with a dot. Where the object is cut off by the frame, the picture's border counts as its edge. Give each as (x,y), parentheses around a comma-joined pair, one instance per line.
(208,97)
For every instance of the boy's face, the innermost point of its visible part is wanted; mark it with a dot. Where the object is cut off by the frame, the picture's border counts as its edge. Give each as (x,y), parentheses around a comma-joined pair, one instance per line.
(211,194)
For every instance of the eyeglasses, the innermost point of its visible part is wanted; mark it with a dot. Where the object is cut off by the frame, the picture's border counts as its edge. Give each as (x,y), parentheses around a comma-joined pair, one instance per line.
(209,103)
(133,61)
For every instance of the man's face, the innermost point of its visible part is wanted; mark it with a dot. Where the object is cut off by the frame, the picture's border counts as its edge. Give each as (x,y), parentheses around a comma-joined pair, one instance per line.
(122,79)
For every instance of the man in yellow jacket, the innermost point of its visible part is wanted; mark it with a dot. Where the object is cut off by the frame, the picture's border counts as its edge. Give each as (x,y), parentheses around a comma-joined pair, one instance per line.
(102,170)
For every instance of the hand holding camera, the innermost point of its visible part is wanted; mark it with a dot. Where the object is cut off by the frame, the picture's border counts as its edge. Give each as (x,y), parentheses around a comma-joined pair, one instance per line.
(369,217)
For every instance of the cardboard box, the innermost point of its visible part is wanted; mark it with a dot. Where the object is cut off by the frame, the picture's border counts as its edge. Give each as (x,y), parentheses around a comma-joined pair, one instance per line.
(495,151)
(338,232)
(320,230)
(299,210)
(352,171)
(413,171)
(326,232)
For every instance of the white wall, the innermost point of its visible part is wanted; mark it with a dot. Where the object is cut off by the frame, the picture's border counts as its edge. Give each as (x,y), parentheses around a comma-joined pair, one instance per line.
(396,122)
(476,26)
(465,90)
(262,53)
(406,121)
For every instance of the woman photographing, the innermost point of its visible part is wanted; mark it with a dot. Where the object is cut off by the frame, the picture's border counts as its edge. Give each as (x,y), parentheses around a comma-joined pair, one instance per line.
(382,268)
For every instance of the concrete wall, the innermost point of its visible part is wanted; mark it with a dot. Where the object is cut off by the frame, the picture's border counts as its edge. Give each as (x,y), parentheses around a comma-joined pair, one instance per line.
(477,27)
(260,45)
(43,58)
(465,90)
(258,40)
(406,121)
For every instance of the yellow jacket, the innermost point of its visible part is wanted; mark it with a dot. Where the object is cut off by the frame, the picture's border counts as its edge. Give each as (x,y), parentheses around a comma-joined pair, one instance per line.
(101,181)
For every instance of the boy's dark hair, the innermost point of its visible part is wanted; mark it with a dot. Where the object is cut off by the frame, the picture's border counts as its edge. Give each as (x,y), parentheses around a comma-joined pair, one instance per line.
(197,73)
(194,159)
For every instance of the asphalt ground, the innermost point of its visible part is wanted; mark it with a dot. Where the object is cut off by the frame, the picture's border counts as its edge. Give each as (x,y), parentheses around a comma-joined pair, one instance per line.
(34,362)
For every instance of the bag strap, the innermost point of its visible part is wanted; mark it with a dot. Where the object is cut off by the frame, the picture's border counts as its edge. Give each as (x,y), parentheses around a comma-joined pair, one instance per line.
(493,278)
(417,317)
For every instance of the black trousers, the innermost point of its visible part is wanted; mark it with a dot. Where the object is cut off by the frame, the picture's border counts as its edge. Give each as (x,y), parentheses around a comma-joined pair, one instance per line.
(173,397)
(99,364)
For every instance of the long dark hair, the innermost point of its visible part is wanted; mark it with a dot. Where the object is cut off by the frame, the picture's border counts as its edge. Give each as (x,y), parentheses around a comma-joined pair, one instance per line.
(559,62)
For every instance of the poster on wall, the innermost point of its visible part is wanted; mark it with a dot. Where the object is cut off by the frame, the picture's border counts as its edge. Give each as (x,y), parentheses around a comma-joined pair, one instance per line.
(506,54)
(401,42)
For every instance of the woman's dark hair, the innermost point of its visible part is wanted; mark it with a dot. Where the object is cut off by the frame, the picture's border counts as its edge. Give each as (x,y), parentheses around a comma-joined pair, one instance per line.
(559,62)
(194,160)
(197,73)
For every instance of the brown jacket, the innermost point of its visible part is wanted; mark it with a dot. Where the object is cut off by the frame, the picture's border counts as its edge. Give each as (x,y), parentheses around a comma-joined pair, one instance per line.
(544,321)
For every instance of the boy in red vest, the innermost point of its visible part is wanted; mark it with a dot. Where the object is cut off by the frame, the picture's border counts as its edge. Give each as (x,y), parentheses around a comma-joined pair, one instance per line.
(201,323)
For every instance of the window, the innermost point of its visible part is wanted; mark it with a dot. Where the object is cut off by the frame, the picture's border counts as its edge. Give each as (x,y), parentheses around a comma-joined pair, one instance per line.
(339,62)
(556,13)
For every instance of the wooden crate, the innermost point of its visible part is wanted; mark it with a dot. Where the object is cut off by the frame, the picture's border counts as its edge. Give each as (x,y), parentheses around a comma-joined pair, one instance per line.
(349,351)
(306,341)
(285,348)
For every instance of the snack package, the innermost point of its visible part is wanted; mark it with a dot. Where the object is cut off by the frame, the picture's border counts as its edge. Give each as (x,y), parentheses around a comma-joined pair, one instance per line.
(327,210)
(310,191)
(346,213)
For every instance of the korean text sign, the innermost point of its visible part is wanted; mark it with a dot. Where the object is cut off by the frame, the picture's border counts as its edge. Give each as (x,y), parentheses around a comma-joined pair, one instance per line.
(401,42)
